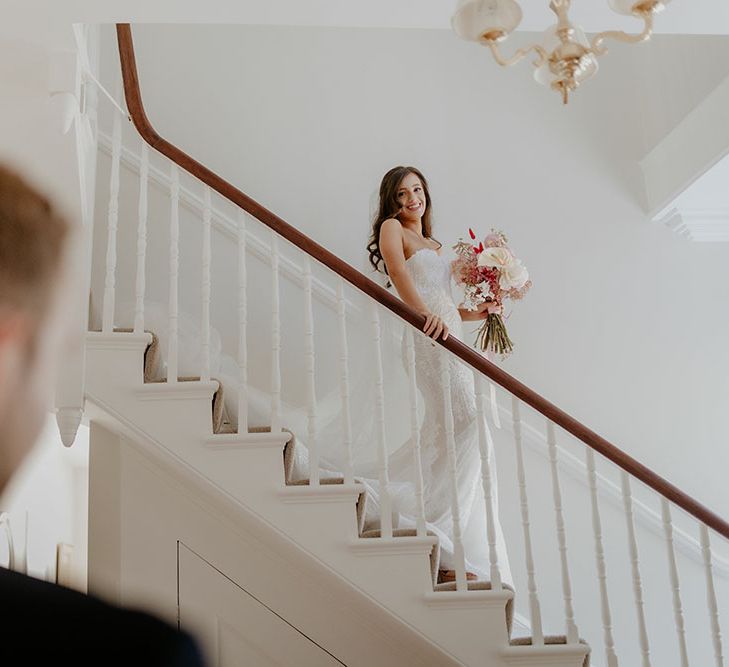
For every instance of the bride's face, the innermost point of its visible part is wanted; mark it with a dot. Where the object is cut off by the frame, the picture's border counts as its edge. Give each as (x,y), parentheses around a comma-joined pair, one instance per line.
(411,196)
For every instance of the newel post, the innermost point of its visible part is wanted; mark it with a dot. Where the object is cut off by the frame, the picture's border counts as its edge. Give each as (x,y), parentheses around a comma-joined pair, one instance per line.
(70,383)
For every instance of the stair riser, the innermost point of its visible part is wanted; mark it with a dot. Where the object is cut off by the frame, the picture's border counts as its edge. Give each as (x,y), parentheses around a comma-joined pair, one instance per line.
(115,368)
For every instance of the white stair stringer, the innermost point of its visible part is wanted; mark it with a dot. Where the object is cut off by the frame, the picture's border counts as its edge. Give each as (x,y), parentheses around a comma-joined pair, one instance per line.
(470,626)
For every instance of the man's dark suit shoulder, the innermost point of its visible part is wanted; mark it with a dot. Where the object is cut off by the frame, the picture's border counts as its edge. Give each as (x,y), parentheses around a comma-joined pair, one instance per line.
(48,620)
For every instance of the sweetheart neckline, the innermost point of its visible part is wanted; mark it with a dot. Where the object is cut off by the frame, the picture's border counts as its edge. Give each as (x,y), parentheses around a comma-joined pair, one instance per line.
(421,250)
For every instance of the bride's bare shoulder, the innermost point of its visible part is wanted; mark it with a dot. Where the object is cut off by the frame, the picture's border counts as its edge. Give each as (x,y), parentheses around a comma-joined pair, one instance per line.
(391,227)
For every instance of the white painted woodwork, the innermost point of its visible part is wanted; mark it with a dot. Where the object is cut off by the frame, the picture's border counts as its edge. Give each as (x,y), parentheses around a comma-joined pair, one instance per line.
(383,474)
(242,326)
(257,244)
(112,227)
(702,225)
(611,658)
(415,430)
(534,608)
(713,608)
(458,552)
(675,585)
(140,286)
(310,354)
(275,338)
(172,350)
(344,383)
(571,626)
(236,628)
(494,405)
(68,421)
(635,570)
(206,285)
(313,580)
(486,446)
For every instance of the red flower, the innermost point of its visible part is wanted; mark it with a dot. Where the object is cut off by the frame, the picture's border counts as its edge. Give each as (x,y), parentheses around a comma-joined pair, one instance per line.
(470,231)
(480,248)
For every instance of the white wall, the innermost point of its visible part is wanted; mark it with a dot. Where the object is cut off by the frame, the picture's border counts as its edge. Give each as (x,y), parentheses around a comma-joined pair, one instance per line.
(624,328)
(676,72)
(47,504)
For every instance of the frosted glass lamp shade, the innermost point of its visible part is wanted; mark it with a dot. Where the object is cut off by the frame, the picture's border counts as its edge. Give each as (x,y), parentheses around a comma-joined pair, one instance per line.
(588,65)
(482,20)
(629,6)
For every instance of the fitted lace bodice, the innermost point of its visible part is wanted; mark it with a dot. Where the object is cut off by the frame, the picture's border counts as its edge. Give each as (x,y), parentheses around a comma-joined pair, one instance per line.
(431,274)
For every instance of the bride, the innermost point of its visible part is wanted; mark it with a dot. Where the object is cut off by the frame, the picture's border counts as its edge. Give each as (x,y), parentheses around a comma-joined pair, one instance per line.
(413,261)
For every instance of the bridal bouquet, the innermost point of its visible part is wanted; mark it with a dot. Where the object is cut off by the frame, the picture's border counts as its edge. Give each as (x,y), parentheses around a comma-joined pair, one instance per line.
(490,272)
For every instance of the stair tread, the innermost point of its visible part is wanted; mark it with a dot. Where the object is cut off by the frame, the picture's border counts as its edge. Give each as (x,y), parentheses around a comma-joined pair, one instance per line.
(396,532)
(479,585)
(548,639)
(551,640)
(322,481)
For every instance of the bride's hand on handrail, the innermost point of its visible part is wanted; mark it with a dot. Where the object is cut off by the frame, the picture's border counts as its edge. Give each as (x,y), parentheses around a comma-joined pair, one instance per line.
(434,326)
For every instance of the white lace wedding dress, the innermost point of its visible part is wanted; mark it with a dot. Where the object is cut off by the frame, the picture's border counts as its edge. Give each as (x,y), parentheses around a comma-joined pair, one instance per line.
(432,276)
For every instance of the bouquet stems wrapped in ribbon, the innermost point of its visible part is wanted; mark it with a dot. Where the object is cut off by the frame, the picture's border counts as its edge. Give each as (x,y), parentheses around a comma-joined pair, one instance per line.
(490,273)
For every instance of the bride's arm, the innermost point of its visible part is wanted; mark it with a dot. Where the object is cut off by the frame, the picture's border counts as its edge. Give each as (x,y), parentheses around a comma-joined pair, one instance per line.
(391,247)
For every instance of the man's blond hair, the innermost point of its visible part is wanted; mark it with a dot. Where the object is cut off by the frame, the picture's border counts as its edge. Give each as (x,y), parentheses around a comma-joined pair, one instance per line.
(33,237)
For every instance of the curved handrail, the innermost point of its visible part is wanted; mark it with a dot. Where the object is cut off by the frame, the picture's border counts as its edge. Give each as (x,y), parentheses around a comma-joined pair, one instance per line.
(357,279)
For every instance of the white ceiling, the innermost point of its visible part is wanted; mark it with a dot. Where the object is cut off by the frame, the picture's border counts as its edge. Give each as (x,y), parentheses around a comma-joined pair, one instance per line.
(680,17)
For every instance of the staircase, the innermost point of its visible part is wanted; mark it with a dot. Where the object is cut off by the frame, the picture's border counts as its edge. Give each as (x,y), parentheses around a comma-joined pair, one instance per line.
(326,520)
(181,421)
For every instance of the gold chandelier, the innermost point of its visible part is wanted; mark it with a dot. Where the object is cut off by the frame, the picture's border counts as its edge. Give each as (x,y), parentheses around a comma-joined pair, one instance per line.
(566,58)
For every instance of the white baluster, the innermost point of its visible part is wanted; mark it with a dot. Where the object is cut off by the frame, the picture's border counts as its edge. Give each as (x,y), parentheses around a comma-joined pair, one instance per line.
(711,597)
(142,240)
(612,660)
(534,608)
(112,226)
(485,444)
(415,431)
(572,635)
(494,406)
(637,585)
(312,443)
(458,553)
(174,274)
(275,339)
(673,572)
(384,476)
(242,327)
(344,383)
(206,284)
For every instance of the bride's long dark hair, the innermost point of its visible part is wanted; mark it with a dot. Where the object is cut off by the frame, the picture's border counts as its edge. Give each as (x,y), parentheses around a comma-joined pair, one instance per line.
(389,208)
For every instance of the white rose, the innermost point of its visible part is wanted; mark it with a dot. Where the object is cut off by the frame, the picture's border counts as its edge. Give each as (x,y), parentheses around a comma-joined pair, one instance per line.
(512,273)
(513,276)
(497,258)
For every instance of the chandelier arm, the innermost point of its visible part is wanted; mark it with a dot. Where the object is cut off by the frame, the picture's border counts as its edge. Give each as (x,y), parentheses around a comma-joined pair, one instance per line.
(598,48)
(519,55)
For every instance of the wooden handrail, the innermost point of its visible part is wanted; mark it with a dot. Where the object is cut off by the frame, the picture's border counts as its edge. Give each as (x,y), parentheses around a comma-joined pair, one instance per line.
(392,303)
